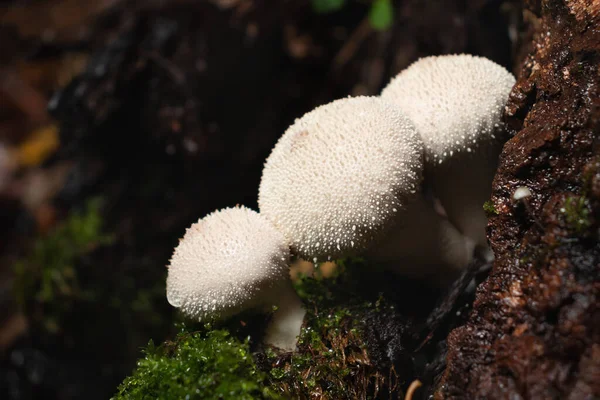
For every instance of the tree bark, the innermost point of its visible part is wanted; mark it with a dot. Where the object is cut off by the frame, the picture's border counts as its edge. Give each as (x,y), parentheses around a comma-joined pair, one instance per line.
(534,331)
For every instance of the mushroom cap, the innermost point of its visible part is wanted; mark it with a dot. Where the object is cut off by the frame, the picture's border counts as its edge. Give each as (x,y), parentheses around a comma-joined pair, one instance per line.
(228,261)
(339,175)
(455,101)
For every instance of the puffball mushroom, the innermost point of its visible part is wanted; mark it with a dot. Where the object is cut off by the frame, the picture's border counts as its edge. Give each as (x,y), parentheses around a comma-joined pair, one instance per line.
(339,174)
(456,103)
(343,175)
(233,260)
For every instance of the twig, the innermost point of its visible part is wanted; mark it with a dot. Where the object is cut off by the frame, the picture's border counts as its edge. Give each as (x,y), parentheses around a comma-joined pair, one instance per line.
(412,389)
(352,44)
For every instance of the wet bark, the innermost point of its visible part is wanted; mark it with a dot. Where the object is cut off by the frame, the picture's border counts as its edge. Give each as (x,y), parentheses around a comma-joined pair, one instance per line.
(534,331)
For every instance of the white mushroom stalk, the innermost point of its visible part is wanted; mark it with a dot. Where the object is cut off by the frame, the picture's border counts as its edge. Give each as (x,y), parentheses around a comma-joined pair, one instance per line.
(456,103)
(233,260)
(424,245)
(344,175)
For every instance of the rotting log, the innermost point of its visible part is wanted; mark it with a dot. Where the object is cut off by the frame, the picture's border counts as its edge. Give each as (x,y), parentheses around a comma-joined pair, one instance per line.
(534,331)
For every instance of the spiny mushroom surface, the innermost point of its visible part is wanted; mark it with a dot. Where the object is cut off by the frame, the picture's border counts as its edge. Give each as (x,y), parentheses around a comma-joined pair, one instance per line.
(230,261)
(339,175)
(456,103)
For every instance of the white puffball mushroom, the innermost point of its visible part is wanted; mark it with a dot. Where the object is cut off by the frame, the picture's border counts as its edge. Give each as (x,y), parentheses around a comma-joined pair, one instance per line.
(339,175)
(456,104)
(233,260)
(345,179)
(522,192)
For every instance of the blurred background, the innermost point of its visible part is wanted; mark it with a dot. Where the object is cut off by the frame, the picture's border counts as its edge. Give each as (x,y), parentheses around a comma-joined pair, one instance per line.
(122,122)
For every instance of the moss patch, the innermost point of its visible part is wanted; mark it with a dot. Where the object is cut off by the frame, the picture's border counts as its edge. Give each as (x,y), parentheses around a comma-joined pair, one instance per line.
(72,285)
(332,361)
(577,214)
(47,279)
(198,365)
(489,208)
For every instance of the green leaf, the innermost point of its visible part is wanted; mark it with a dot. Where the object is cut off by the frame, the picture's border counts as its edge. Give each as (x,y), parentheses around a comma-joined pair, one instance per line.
(381,14)
(327,6)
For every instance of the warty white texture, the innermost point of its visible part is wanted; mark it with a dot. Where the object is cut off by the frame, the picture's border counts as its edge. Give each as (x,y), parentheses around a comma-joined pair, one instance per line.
(339,176)
(228,261)
(455,101)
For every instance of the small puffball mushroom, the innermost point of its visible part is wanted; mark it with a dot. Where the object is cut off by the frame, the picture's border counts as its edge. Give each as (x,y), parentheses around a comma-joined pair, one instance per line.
(233,260)
(339,175)
(348,172)
(521,193)
(456,103)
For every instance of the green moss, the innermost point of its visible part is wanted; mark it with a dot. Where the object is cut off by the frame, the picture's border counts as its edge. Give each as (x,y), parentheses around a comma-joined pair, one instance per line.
(489,208)
(331,357)
(332,361)
(48,278)
(577,212)
(74,282)
(198,365)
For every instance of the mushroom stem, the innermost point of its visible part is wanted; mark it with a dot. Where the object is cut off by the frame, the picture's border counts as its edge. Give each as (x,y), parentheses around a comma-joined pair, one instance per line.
(424,244)
(462,186)
(286,322)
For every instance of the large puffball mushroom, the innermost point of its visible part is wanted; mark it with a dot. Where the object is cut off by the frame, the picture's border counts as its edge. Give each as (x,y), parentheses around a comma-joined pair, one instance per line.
(339,175)
(348,172)
(233,260)
(456,103)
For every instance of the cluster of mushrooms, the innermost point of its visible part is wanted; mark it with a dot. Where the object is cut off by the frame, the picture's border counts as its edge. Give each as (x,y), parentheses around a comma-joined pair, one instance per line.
(400,178)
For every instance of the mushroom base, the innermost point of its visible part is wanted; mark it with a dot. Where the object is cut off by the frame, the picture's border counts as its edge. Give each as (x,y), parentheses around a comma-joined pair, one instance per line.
(286,322)
(463,184)
(423,244)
